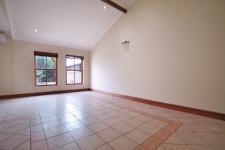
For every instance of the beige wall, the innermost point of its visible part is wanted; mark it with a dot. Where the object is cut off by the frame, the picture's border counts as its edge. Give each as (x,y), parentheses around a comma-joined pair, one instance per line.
(17,67)
(176,55)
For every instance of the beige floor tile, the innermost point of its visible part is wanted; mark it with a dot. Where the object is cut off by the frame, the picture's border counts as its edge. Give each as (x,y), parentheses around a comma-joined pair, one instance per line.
(24,146)
(216,128)
(174,139)
(201,147)
(132,114)
(122,118)
(13,141)
(137,136)
(90,142)
(148,128)
(213,138)
(70,146)
(123,143)
(113,114)
(200,128)
(98,126)
(35,122)
(90,120)
(59,140)
(73,126)
(191,138)
(36,128)
(105,147)
(111,121)
(37,136)
(4,136)
(68,120)
(217,147)
(103,117)
(160,148)
(144,118)
(175,147)
(186,120)
(122,128)
(185,129)
(41,145)
(109,134)
(158,124)
(52,124)
(134,122)
(54,131)
(81,132)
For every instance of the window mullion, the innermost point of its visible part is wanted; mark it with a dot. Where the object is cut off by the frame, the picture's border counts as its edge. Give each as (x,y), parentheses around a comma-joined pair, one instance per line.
(46,70)
(74,70)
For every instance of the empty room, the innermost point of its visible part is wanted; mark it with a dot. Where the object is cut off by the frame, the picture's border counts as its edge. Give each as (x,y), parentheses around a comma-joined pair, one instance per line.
(112,74)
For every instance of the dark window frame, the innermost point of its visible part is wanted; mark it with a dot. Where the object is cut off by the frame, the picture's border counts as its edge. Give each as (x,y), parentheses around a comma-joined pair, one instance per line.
(45,54)
(81,70)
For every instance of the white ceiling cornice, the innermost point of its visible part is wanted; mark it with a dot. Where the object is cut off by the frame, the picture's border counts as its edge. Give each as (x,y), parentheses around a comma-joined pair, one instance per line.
(4,20)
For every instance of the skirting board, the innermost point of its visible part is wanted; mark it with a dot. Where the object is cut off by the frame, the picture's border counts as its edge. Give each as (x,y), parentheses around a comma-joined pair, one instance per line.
(42,93)
(195,111)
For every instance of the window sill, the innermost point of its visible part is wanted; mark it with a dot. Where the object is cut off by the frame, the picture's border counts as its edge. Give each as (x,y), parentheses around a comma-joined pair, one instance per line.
(45,85)
(76,84)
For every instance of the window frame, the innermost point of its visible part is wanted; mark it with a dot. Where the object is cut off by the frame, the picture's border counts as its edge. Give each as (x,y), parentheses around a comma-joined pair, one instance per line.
(81,70)
(45,54)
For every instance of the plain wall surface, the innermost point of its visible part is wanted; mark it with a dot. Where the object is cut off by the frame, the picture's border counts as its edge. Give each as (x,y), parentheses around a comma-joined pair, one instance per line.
(176,54)
(17,67)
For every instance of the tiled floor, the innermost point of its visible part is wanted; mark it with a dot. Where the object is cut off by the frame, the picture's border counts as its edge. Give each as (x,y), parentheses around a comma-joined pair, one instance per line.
(89,120)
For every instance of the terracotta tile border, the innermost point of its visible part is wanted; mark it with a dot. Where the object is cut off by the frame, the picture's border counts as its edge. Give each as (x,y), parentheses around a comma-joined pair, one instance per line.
(158,138)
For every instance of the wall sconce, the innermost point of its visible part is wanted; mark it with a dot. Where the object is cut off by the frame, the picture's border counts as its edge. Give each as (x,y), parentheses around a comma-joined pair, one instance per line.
(126,45)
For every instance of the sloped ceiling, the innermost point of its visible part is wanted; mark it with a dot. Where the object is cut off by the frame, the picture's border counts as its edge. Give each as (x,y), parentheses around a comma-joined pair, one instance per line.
(76,24)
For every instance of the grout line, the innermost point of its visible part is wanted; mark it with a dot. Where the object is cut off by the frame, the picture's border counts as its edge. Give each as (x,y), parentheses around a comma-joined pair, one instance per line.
(43,132)
(30,136)
(19,144)
(162,119)
(166,131)
(74,140)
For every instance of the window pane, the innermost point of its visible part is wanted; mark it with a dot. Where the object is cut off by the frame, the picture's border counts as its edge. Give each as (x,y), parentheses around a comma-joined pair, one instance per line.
(70,63)
(70,77)
(78,77)
(51,77)
(51,63)
(40,77)
(40,62)
(78,64)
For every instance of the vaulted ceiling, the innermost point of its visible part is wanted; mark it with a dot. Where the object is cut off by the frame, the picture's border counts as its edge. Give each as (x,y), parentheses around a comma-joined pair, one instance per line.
(76,24)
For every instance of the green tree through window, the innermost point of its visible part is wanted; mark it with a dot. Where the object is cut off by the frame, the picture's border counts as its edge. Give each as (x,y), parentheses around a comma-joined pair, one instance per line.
(45,68)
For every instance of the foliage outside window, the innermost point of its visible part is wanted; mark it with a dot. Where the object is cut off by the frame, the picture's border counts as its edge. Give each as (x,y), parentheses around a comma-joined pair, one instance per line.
(45,68)
(74,70)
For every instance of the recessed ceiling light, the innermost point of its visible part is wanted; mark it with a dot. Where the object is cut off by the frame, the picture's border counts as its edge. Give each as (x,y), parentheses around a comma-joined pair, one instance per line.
(35,30)
(105,7)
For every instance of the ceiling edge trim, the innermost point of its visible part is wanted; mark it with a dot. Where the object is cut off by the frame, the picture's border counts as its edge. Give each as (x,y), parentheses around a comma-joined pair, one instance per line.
(8,14)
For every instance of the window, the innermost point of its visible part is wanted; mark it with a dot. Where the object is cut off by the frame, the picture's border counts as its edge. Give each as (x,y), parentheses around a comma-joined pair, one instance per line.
(45,68)
(74,70)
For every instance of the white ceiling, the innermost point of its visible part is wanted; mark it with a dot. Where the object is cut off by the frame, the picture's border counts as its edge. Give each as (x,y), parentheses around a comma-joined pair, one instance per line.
(70,23)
